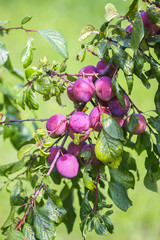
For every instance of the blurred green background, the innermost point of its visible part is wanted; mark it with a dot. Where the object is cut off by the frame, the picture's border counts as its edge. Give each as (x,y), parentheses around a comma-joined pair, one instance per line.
(142,220)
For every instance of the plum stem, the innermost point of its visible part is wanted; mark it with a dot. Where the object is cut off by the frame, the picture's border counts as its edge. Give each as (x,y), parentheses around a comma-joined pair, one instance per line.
(96,199)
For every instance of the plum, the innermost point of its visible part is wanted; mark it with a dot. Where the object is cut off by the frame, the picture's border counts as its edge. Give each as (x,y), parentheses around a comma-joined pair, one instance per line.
(101,65)
(140,128)
(53,151)
(96,119)
(120,120)
(87,154)
(89,69)
(82,137)
(79,122)
(75,149)
(103,88)
(57,124)
(68,166)
(70,93)
(153,28)
(83,89)
(116,108)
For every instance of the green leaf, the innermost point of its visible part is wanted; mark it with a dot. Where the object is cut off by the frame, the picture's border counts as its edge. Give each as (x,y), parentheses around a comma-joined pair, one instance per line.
(71,215)
(137,33)
(155,122)
(124,178)
(14,235)
(110,12)
(3,53)
(30,72)
(81,55)
(108,223)
(6,169)
(133,122)
(43,225)
(20,98)
(128,162)
(155,67)
(16,198)
(119,196)
(150,183)
(158,143)
(153,40)
(157,100)
(111,127)
(31,100)
(125,62)
(99,227)
(27,54)
(57,41)
(152,163)
(85,207)
(24,150)
(86,31)
(132,9)
(28,232)
(138,67)
(25,20)
(88,181)
(109,150)
(120,94)
(153,13)
(42,86)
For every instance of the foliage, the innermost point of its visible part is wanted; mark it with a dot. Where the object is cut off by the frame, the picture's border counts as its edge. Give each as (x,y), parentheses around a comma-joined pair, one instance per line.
(36,216)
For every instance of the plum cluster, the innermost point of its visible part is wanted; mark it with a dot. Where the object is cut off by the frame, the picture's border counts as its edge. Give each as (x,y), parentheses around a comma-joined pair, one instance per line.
(93,82)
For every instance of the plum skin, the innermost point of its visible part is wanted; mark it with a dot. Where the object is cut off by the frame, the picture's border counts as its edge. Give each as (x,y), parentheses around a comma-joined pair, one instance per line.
(53,151)
(83,89)
(94,160)
(101,65)
(89,69)
(75,149)
(140,128)
(67,166)
(103,88)
(70,93)
(79,122)
(116,108)
(57,124)
(81,138)
(96,119)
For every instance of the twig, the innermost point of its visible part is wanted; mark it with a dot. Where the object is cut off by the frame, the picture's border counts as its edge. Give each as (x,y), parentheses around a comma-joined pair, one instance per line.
(23,120)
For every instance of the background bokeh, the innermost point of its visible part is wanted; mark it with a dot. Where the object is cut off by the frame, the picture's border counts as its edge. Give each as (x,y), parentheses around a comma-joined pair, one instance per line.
(142,220)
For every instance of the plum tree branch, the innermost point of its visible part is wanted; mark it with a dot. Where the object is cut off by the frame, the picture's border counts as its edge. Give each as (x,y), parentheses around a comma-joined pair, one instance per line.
(8,122)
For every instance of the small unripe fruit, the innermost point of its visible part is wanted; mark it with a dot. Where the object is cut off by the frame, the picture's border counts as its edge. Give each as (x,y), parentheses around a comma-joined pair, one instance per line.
(75,149)
(56,124)
(89,69)
(96,117)
(70,93)
(116,108)
(140,128)
(53,151)
(103,88)
(79,122)
(83,89)
(68,166)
